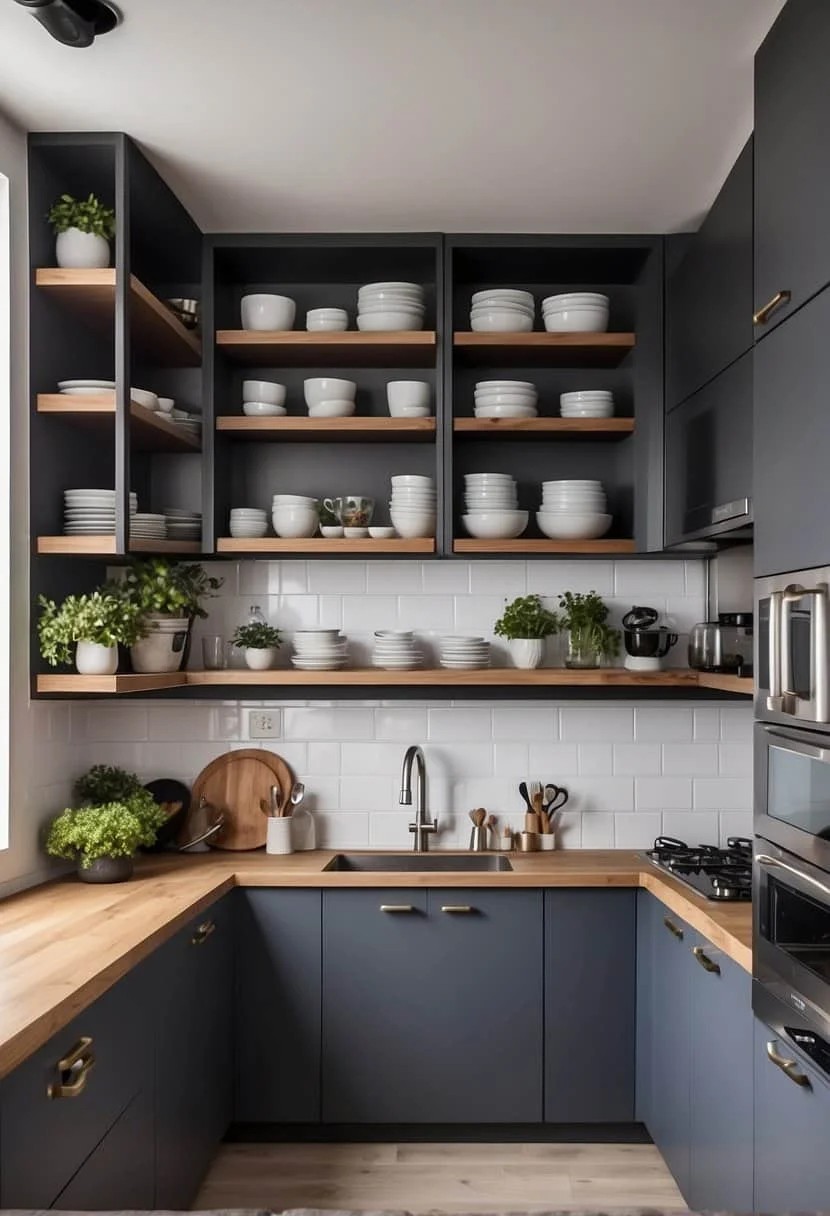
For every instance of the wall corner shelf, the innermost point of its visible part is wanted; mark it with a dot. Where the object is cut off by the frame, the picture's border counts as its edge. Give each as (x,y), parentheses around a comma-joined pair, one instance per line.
(148,432)
(345,348)
(326,430)
(550,428)
(105,546)
(552,350)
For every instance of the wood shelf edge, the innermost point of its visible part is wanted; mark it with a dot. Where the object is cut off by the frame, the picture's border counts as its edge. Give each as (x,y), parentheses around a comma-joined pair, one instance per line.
(718,682)
(536,545)
(71,682)
(272,545)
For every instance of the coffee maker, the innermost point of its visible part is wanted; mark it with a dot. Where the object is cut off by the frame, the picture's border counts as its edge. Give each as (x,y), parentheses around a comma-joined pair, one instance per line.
(646,642)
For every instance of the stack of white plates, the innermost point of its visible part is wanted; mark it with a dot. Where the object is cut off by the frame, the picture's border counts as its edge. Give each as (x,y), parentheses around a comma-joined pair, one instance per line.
(145,526)
(91,512)
(576,312)
(502,310)
(463,653)
(396,650)
(573,510)
(492,501)
(320,650)
(183,525)
(390,306)
(86,388)
(248,522)
(412,506)
(506,399)
(596,403)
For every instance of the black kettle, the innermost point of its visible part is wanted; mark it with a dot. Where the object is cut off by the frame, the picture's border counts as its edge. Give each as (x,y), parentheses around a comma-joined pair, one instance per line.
(642,639)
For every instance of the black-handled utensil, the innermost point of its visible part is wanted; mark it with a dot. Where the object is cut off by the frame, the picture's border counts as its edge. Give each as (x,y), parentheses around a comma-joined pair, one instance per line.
(556,796)
(526,796)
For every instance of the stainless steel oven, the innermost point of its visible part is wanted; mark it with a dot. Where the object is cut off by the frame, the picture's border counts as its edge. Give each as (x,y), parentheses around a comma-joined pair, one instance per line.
(792,647)
(792,790)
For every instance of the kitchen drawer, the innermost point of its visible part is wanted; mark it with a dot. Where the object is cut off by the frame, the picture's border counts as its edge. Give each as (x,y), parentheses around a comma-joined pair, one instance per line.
(44,1141)
(118,1174)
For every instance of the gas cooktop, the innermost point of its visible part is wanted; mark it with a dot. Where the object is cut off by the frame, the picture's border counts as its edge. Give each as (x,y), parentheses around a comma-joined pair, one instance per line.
(721,874)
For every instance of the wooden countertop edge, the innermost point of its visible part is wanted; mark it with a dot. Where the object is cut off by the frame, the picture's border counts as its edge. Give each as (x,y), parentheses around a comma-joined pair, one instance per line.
(51,974)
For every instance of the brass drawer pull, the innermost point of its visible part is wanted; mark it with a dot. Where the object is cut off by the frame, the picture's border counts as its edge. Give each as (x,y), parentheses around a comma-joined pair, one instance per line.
(205,930)
(673,929)
(396,908)
(706,963)
(788,1067)
(763,314)
(459,908)
(74,1071)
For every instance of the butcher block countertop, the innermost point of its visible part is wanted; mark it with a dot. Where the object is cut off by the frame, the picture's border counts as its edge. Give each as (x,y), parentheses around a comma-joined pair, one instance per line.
(65,943)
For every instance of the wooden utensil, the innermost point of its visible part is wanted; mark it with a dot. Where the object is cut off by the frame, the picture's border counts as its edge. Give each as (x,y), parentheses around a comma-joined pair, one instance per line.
(478,816)
(237,783)
(532,822)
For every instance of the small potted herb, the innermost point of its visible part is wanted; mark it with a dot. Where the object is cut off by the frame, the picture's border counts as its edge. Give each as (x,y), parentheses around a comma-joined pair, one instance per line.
(84,228)
(94,624)
(260,643)
(590,638)
(526,623)
(169,596)
(106,783)
(102,838)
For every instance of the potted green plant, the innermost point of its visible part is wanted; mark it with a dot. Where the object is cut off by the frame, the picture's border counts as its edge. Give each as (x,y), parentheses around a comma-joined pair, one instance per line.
(102,838)
(525,624)
(84,229)
(107,783)
(169,596)
(94,624)
(590,638)
(260,643)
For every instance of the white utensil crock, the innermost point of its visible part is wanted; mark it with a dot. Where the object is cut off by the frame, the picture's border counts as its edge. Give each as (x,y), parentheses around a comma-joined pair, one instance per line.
(279,834)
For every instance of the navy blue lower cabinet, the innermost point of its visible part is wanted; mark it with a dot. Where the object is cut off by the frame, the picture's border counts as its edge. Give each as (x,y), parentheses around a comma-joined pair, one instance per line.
(119,1173)
(646,933)
(278,1006)
(792,1128)
(432,1006)
(590,1005)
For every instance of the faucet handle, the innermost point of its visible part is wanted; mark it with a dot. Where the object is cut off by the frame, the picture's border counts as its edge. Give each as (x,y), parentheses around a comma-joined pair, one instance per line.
(431,825)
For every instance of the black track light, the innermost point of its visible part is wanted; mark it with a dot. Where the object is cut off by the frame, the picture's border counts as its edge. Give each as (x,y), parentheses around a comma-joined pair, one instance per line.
(74,22)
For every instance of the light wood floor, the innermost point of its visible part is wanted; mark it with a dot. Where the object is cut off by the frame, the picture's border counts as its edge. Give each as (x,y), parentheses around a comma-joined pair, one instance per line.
(431,1178)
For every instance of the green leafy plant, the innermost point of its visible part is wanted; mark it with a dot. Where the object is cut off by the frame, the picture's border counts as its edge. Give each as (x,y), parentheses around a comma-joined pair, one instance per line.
(527,617)
(106,783)
(99,617)
(87,215)
(113,829)
(166,588)
(256,637)
(584,616)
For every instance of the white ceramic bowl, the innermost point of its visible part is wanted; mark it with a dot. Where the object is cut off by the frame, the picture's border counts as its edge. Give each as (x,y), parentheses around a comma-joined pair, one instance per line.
(506,411)
(166,404)
(593,319)
(331,409)
(355,533)
(505,385)
(295,522)
(263,409)
(385,290)
(506,399)
(584,396)
(413,479)
(252,531)
(567,298)
(583,526)
(265,311)
(142,396)
(483,309)
(263,390)
(326,320)
(504,293)
(501,322)
(327,388)
(495,525)
(408,392)
(412,524)
(410,411)
(605,412)
(293,500)
(331,531)
(389,322)
(382,533)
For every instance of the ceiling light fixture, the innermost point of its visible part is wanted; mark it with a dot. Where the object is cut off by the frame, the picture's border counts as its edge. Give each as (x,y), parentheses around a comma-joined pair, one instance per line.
(74,22)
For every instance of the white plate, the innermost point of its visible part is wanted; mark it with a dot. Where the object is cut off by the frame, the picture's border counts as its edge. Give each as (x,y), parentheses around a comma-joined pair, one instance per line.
(82,385)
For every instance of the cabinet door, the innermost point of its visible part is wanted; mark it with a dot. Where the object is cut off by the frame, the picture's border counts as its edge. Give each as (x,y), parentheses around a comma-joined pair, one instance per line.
(118,1175)
(669,1122)
(432,1014)
(709,455)
(720,1168)
(792,442)
(792,1165)
(647,925)
(589,1006)
(278,1006)
(792,172)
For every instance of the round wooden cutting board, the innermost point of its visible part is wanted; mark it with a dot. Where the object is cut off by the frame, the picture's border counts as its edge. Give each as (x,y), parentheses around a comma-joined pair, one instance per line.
(235,782)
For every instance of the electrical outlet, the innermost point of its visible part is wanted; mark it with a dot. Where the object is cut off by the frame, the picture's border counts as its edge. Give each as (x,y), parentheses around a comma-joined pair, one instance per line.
(264,724)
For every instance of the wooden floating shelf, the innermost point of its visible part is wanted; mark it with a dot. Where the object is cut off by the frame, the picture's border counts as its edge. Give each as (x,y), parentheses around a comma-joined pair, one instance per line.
(148,432)
(321,544)
(553,547)
(346,348)
(555,428)
(155,332)
(71,682)
(104,546)
(551,350)
(726,683)
(310,430)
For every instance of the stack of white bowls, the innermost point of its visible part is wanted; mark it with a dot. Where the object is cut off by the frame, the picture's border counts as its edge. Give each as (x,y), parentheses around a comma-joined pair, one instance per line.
(412,506)
(328,397)
(183,525)
(145,526)
(576,312)
(326,320)
(502,310)
(320,650)
(263,399)
(294,515)
(506,399)
(91,512)
(492,501)
(396,650)
(390,306)
(573,510)
(593,403)
(463,653)
(248,523)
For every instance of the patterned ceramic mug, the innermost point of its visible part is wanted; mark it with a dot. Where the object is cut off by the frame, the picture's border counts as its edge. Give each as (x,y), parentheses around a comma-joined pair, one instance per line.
(352,510)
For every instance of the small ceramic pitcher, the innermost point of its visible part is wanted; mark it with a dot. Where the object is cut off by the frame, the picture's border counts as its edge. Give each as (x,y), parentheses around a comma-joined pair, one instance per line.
(352,510)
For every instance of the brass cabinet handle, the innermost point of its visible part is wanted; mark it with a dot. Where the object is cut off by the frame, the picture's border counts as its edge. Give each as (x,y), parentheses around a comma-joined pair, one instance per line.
(788,1067)
(673,929)
(457,908)
(763,314)
(74,1071)
(706,963)
(205,930)
(396,908)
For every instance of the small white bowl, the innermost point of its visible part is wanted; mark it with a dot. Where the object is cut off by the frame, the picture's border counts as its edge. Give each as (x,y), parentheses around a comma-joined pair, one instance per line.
(263,390)
(263,409)
(327,388)
(401,393)
(142,396)
(331,409)
(497,321)
(377,533)
(293,500)
(566,526)
(293,523)
(355,533)
(389,322)
(326,320)
(506,411)
(331,531)
(592,319)
(413,479)
(264,311)
(166,404)
(506,399)
(410,411)
(412,524)
(496,525)
(249,531)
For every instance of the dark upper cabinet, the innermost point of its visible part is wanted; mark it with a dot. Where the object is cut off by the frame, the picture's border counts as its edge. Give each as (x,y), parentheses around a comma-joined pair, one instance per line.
(709,475)
(792,442)
(709,293)
(792,173)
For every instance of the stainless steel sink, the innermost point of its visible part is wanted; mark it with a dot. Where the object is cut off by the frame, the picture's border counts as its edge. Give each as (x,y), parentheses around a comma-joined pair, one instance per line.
(433,863)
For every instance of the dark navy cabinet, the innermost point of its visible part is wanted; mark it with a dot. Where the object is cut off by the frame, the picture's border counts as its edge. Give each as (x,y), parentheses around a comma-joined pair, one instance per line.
(590,997)
(119,1173)
(278,1006)
(432,1006)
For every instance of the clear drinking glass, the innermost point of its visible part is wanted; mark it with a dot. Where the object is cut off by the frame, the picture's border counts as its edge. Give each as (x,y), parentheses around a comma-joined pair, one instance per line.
(213,653)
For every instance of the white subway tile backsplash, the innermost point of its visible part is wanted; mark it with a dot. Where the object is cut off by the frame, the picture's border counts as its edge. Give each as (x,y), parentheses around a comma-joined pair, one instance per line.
(327,722)
(665,724)
(337,578)
(394,578)
(323,759)
(569,831)
(598,830)
(706,724)
(690,759)
(460,724)
(363,614)
(636,831)
(663,793)
(259,578)
(736,724)
(712,793)
(445,578)
(370,758)
(336,831)
(510,759)
(372,793)
(505,579)
(736,760)
(585,725)
(637,759)
(517,723)
(641,579)
(551,578)
(596,759)
(695,827)
(734,823)
(560,759)
(601,794)
(108,723)
(403,724)
(426,612)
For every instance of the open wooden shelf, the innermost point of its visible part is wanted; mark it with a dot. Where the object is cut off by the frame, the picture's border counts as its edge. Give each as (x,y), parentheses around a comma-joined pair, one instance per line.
(71,682)
(346,348)
(556,428)
(553,350)
(104,546)
(725,683)
(156,334)
(525,545)
(321,544)
(309,430)
(148,432)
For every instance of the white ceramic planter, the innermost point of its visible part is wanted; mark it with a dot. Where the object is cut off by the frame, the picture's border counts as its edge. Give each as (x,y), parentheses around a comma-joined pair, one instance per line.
(260,659)
(526,652)
(279,837)
(92,659)
(76,250)
(162,649)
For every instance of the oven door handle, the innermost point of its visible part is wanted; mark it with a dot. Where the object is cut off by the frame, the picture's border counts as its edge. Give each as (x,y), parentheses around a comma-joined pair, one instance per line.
(775,699)
(801,740)
(819,659)
(773,863)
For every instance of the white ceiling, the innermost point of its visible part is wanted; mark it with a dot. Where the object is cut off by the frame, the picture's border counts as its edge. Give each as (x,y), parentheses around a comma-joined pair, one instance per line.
(449,115)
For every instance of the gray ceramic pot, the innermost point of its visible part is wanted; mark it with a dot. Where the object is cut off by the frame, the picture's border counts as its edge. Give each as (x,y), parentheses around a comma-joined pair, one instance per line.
(107,869)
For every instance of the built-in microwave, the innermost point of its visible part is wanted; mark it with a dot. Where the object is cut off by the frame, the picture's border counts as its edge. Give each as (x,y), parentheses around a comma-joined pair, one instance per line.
(792,790)
(792,647)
